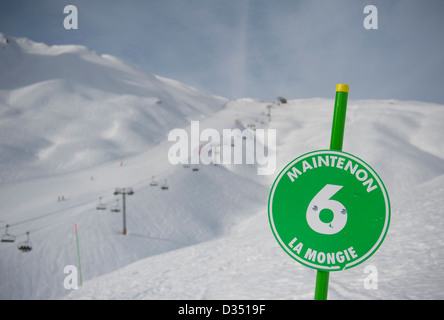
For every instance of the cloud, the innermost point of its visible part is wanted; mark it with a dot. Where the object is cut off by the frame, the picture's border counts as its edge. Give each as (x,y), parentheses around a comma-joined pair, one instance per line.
(312,45)
(262,49)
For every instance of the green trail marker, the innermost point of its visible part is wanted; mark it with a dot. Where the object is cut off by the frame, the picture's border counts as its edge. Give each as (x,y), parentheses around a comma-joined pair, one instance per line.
(328,209)
(78,255)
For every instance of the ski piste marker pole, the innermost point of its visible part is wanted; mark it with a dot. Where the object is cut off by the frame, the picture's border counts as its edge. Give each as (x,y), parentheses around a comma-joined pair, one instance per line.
(78,255)
(337,137)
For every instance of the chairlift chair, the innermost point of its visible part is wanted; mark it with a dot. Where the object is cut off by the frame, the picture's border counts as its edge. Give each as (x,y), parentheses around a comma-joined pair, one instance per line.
(100,205)
(116,208)
(153,182)
(164,186)
(186,165)
(6,237)
(195,169)
(25,246)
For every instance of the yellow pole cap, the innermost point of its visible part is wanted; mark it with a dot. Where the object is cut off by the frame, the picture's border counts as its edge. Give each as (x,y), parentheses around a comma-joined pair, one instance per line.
(342,87)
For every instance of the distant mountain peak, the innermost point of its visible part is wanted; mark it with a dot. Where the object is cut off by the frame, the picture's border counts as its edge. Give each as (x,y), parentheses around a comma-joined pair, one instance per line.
(61,100)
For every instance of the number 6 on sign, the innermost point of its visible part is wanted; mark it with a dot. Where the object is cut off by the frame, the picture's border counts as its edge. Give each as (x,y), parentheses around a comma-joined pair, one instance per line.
(324,215)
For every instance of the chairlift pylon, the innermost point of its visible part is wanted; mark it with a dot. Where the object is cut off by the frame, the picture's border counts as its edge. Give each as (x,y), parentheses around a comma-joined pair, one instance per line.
(100,205)
(25,246)
(6,237)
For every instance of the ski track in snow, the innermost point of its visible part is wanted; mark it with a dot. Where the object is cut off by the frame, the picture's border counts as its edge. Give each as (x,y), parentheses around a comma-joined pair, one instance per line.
(67,132)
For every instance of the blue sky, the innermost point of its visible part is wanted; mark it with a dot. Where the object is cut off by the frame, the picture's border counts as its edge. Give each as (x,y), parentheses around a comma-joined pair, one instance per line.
(257,48)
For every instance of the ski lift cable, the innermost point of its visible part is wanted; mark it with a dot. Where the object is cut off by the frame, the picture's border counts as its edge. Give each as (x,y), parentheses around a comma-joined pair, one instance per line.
(48,214)
(158,176)
(52,224)
(144,182)
(18,223)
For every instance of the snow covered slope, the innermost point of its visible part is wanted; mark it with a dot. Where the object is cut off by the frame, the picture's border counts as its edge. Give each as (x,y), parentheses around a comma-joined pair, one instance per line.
(401,142)
(64,108)
(80,135)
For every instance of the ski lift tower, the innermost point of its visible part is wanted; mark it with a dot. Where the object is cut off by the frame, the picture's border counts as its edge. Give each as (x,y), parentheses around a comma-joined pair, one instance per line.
(269,112)
(124,192)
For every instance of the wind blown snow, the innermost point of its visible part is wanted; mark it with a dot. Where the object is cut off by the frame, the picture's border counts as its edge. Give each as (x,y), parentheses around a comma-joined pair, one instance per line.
(75,125)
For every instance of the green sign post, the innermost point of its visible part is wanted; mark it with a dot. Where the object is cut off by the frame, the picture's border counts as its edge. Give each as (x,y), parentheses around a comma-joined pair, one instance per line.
(328,209)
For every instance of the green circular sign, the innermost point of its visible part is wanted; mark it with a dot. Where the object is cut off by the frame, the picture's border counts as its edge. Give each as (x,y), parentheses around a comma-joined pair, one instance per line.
(329,210)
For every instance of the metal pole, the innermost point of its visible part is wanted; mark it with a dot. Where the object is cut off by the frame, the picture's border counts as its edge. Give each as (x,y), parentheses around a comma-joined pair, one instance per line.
(337,131)
(321,290)
(124,216)
(337,137)
(78,255)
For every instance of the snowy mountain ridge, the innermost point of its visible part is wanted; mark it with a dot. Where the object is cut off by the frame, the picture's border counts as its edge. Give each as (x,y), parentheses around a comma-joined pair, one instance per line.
(69,108)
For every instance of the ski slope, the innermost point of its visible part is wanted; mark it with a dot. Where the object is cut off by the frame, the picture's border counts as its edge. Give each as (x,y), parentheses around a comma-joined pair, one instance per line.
(65,108)
(247,263)
(77,124)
